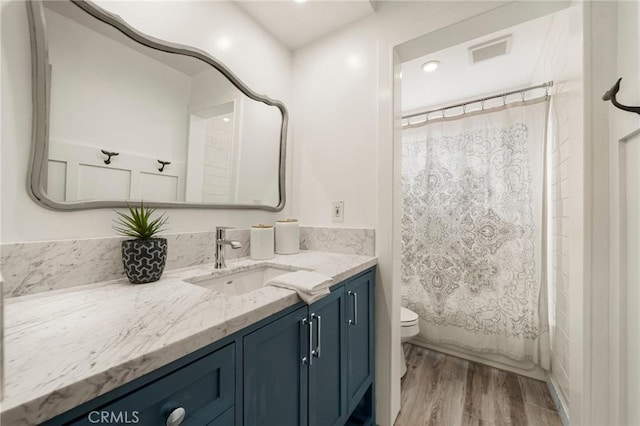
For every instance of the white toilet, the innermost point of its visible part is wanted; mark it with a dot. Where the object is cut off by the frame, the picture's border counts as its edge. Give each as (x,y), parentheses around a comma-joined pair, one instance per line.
(408,329)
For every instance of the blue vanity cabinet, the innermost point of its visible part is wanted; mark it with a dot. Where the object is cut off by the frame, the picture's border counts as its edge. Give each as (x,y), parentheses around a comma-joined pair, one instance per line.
(226,419)
(307,365)
(202,391)
(359,293)
(327,370)
(275,383)
(314,367)
(294,368)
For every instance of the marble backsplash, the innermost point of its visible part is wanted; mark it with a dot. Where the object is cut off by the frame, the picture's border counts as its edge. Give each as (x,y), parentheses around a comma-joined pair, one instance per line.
(338,240)
(35,267)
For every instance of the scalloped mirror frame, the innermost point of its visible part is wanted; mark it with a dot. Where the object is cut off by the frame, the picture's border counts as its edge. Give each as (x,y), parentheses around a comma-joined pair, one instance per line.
(41,84)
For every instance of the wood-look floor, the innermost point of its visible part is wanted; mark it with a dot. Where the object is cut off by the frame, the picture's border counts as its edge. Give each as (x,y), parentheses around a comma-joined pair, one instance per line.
(442,390)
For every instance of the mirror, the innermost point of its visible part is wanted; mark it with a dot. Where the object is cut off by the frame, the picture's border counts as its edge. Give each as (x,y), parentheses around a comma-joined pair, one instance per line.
(120,116)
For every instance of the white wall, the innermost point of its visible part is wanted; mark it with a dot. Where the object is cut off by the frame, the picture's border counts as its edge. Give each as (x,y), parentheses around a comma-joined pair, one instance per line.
(219,28)
(624,123)
(561,61)
(109,96)
(597,394)
(336,93)
(608,317)
(624,275)
(343,123)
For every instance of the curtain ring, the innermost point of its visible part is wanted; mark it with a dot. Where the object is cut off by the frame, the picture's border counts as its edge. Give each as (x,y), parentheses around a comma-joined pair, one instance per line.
(482,104)
(443,113)
(464,109)
(522,95)
(546,90)
(504,100)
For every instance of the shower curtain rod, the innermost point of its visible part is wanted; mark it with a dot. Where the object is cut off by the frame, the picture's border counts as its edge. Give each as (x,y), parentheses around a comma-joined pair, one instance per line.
(546,86)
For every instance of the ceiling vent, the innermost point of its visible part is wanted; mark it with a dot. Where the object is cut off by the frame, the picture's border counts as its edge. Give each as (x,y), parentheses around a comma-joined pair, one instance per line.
(490,49)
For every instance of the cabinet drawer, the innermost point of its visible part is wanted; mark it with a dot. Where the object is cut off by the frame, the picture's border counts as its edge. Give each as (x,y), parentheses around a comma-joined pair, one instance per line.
(204,389)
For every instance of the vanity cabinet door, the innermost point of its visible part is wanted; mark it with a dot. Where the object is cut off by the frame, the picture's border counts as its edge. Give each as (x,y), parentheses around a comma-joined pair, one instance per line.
(360,347)
(327,387)
(275,384)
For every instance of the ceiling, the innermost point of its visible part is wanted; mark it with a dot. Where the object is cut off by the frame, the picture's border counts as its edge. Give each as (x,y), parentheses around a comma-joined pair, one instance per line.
(293,24)
(185,64)
(296,24)
(458,80)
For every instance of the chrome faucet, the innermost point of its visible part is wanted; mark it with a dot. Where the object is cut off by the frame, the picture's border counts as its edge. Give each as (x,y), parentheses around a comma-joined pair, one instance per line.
(221,241)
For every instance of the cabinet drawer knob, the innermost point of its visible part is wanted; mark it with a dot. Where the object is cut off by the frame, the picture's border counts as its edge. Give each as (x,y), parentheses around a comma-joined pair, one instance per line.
(176,417)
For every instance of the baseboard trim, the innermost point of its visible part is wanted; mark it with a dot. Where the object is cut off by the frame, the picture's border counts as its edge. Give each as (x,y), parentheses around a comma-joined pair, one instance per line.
(562,411)
(534,372)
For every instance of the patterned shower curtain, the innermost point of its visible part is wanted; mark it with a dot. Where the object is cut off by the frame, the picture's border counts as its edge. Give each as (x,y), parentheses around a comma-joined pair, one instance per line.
(473,260)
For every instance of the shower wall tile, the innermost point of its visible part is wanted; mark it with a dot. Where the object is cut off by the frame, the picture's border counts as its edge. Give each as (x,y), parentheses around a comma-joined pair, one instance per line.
(565,70)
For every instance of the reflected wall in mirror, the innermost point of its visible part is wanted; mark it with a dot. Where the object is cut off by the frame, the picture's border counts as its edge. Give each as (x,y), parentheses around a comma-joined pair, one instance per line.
(122,116)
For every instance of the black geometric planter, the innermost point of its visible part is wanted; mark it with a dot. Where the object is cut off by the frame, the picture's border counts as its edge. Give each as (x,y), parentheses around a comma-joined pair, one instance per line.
(144,260)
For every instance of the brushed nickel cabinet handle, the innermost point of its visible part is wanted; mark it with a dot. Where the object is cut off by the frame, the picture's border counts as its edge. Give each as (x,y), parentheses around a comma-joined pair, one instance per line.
(176,417)
(316,352)
(355,307)
(311,342)
(305,359)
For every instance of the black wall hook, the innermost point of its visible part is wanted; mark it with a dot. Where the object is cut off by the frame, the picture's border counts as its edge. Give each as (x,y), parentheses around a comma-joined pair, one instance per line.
(610,95)
(164,163)
(109,154)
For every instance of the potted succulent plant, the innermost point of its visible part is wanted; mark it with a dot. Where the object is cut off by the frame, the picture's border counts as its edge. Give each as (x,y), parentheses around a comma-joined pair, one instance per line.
(145,255)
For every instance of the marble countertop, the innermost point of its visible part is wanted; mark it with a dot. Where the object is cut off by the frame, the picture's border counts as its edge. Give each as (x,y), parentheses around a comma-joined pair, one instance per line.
(63,348)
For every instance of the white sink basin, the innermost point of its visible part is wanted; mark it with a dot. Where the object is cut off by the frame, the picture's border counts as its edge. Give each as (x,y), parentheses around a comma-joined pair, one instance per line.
(237,283)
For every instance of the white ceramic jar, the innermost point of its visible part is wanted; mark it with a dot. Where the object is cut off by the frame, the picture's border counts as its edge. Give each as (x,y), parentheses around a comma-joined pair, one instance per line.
(287,236)
(261,242)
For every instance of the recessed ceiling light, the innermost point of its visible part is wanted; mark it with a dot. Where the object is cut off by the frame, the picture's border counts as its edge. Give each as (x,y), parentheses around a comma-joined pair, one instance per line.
(354,61)
(430,66)
(226,119)
(300,1)
(224,42)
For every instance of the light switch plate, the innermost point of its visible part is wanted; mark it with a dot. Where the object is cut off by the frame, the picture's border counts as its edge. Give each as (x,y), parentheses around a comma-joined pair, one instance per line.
(337,211)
